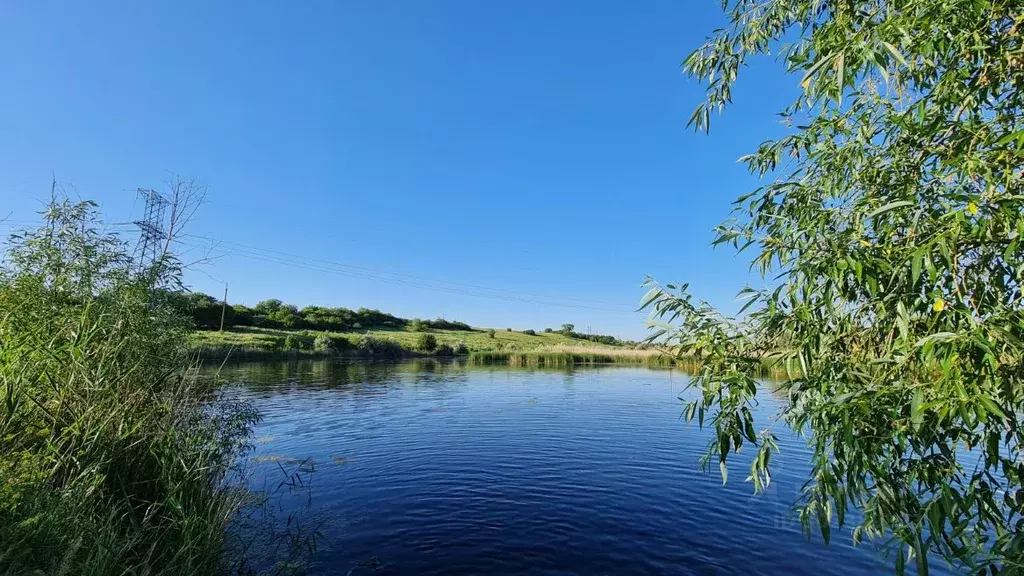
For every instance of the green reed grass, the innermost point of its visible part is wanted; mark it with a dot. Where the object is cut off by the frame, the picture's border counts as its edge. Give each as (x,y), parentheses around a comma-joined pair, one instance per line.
(559,359)
(113,454)
(570,356)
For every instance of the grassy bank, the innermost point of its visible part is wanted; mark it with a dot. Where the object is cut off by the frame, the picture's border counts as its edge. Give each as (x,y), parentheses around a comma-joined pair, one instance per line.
(504,348)
(113,455)
(265,343)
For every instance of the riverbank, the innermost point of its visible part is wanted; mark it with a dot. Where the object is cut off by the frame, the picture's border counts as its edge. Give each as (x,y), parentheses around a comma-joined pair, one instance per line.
(250,343)
(566,355)
(478,347)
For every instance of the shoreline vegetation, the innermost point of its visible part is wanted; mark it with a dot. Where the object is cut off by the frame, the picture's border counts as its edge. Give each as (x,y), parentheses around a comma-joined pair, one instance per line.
(507,348)
(117,458)
(388,336)
(273,329)
(481,346)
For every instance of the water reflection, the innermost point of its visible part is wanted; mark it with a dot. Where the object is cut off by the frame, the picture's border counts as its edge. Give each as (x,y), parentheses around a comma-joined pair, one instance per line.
(436,467)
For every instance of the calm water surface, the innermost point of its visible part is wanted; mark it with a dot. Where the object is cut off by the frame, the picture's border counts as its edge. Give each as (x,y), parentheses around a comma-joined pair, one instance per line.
(438,468)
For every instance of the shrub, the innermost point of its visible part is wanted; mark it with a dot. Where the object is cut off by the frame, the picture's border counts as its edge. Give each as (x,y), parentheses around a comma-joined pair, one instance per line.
(339,343)
(548,330)
(322,343)
(490,333)
(461,348)
(426,343)
(529,332)
(417,325)
(441,324)
(444,350)
(299,341)
(380,347)
(243,316)
(508,329)
(275,344)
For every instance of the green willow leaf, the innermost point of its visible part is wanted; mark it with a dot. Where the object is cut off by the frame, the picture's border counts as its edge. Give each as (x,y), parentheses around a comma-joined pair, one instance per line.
(916,416)
(889,227)
(895,53)
(890,206)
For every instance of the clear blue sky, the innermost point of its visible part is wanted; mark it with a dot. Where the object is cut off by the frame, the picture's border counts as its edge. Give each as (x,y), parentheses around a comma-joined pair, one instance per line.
(531,147)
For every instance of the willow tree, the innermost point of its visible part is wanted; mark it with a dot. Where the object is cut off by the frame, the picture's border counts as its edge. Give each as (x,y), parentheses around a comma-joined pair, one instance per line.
(888,229)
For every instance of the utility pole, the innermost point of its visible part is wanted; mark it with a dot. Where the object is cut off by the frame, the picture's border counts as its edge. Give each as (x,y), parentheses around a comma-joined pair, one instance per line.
(224,307)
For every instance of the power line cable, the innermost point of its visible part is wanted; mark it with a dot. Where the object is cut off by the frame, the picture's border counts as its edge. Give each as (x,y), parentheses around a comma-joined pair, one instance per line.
(217,242)
(364,276)
(392,278)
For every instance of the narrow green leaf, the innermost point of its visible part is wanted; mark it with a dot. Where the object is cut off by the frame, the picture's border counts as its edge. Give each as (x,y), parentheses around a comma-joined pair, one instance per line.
(992,407)
(916,415)
(652,295)
(937,337)
(888,207)
(840,80)
(922,558)
(895,52)
(806,81)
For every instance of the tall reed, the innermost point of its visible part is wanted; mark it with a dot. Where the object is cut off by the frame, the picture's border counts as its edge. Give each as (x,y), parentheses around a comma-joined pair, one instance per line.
(568,355)
(113,454)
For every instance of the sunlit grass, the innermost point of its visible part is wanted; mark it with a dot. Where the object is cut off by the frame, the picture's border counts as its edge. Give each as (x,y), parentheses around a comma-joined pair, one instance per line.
(260,342)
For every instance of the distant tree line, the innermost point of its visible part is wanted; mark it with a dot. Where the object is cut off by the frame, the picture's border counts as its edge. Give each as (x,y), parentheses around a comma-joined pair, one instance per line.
(570,331)
(417,325)
(205,311)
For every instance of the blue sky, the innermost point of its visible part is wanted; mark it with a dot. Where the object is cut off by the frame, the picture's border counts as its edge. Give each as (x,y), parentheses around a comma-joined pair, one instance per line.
(523,148)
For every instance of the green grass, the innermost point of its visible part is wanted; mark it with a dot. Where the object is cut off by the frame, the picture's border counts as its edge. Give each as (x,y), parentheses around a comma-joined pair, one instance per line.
(504,349)
(254,342)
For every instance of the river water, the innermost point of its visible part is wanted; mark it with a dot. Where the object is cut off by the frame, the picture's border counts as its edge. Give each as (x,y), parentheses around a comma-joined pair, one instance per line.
(439,468)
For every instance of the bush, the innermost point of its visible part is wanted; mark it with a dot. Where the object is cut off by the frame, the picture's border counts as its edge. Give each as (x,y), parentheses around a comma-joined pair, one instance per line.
(426,343)
(508,329)
(275,344)
(322,343)
(461,348)
(444,350)
(380,347)
(299,341)
(529,332)
(339,343)
(490,333)
(243,315)
(417,325)
(441,324)
(548,330)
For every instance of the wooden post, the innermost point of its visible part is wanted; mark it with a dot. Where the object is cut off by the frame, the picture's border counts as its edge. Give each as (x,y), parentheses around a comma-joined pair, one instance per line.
(224,307)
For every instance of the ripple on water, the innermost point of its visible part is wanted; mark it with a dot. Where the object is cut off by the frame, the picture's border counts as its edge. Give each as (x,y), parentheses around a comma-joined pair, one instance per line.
(468,471)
